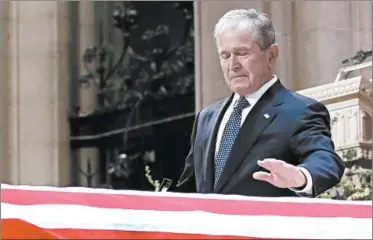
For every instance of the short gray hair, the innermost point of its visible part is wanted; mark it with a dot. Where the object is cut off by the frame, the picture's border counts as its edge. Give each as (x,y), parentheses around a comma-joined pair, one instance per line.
(258,23)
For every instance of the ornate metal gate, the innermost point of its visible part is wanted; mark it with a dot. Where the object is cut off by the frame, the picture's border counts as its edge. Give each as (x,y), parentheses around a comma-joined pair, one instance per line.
(146,98)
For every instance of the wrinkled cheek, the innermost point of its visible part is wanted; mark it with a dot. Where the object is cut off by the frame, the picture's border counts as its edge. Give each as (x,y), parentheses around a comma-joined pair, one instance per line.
(225,73)
(254,73)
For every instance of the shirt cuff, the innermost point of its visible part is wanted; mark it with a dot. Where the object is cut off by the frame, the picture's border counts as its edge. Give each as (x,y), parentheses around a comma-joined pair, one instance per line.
(308,188)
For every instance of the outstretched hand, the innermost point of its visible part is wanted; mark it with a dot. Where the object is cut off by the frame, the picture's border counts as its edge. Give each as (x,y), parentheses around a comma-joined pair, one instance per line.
(281,174)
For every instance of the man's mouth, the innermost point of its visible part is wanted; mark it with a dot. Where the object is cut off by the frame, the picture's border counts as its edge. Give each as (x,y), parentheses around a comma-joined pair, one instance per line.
(237,77)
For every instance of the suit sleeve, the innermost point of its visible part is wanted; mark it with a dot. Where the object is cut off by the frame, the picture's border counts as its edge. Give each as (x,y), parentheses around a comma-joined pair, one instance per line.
(187,181)
(311,142)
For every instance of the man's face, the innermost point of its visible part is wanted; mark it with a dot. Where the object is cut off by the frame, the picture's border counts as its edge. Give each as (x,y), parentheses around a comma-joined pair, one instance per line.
(245,66)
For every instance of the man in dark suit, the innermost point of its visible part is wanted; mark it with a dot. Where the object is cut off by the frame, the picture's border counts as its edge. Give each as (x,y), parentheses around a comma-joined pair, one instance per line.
(264,140)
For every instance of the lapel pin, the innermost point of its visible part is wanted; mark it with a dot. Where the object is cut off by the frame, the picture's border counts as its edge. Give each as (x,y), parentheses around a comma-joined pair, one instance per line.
(266,116)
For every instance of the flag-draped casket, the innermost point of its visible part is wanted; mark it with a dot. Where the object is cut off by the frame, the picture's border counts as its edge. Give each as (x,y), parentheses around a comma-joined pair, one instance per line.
(73,213)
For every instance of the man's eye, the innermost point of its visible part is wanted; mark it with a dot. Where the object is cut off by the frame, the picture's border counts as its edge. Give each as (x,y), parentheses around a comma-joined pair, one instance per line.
(242,53)
(224,56)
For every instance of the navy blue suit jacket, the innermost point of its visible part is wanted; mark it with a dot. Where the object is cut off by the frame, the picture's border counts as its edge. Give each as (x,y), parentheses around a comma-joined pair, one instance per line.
(297,131)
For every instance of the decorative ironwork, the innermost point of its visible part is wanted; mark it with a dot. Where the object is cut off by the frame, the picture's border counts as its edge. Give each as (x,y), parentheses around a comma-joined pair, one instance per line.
(155,65)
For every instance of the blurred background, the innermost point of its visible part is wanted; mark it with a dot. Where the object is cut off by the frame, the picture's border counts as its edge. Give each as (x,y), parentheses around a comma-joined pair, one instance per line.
(104,94)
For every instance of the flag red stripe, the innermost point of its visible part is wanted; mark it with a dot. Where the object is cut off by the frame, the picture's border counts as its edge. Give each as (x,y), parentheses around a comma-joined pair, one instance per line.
(160,203)
(107,234)
(18,229)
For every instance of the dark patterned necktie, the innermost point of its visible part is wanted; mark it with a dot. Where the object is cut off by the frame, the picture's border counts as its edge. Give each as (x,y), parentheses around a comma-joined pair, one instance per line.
(229,136)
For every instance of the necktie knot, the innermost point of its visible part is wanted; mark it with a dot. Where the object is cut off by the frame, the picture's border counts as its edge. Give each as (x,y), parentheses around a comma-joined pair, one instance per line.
(241,103)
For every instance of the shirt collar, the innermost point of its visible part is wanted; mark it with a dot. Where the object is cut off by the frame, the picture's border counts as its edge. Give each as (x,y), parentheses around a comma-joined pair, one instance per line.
(254,97)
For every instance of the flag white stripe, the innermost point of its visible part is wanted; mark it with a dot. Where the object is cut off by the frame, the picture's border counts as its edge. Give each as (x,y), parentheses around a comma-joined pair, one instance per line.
(175,194)
(188,222)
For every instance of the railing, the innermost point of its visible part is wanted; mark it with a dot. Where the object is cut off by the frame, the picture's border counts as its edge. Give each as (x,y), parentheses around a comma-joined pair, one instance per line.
(352,68)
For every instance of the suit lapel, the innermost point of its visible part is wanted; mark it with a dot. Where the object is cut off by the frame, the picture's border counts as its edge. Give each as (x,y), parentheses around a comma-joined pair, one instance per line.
(209,154)
(264,111)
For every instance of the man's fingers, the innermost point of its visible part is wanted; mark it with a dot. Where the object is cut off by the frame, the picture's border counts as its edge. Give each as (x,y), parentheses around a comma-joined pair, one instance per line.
(263,176)
(265,165)
(272,165)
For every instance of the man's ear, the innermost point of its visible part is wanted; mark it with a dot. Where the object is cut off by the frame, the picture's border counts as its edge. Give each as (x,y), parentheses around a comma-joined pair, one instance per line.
(273,51)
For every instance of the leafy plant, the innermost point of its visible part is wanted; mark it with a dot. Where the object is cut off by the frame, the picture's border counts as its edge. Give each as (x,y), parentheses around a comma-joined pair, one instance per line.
(356,184)
(148,175)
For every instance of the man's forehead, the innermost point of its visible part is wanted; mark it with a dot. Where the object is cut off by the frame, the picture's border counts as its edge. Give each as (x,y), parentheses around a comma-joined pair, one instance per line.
(235,46)
(235,39)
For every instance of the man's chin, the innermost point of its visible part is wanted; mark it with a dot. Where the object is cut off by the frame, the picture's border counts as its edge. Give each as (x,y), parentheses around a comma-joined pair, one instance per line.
(241,90)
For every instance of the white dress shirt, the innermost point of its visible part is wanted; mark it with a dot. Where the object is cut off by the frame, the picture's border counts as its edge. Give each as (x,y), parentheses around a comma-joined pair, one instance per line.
(253,99)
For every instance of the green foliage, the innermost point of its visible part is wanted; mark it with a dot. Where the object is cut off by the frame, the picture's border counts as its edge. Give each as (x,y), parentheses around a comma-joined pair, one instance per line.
(356,184)
(148,175)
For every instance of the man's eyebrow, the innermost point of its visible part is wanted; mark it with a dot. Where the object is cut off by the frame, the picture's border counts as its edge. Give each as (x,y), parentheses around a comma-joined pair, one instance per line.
(222,51)
(242,48)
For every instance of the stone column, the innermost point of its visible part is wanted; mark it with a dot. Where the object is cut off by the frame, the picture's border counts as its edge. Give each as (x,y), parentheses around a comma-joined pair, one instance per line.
(362,30)
(281,13)
(88,157)
(36,83)
(361,12)
(4,43)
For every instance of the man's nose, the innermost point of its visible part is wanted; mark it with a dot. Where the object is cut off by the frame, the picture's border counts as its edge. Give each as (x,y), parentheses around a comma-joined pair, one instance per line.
(234,64)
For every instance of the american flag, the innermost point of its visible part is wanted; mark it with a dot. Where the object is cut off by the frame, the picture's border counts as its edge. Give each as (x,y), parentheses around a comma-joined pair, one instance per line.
(83,213)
